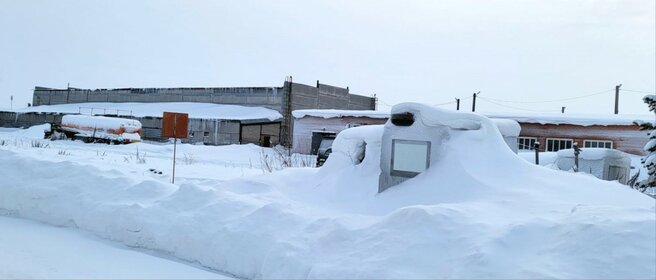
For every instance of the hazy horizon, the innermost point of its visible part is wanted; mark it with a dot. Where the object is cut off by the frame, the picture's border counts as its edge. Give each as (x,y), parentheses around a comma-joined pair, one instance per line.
(420,51)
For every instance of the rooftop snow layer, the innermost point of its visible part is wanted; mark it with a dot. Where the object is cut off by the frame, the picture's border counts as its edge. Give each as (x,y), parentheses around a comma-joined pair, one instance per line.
(195,110)
(330,113)
(574,119)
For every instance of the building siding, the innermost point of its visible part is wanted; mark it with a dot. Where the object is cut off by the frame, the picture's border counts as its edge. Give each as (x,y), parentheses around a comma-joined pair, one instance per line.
(626,138)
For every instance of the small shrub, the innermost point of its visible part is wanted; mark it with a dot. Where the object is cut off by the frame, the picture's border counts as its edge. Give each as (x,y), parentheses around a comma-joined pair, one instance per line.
(141,158)
(38,144)
(64,153)
(188,158)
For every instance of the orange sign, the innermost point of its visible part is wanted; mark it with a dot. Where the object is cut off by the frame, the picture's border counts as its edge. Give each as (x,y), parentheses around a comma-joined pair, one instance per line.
(175,125)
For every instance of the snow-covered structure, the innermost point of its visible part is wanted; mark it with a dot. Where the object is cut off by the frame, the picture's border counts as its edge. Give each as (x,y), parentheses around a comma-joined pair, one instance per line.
(209,123)
(310,126)
(413,138)
(510,130)
(605,164)
(99,127)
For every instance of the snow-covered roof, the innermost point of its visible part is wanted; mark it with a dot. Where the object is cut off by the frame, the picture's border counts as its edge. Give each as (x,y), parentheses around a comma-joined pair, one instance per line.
(330,113)
(195,110)
(574,119)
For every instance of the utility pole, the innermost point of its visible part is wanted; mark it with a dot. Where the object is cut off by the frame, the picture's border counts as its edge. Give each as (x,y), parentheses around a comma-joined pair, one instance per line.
(474,102)
(562,109)
(12,103)
(617,98)
(457,104)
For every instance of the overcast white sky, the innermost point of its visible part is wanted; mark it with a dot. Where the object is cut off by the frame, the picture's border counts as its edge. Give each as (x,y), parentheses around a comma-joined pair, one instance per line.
(425,51)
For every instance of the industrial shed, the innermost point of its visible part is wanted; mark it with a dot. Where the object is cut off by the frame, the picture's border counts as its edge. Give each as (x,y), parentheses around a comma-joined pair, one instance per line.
(310,126)
(211,124)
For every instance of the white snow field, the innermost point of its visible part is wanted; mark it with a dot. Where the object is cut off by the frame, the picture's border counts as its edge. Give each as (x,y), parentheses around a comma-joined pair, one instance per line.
(479,211)
(31,250)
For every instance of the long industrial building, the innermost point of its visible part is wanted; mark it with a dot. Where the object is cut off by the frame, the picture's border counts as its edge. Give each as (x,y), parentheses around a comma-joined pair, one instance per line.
(285,99)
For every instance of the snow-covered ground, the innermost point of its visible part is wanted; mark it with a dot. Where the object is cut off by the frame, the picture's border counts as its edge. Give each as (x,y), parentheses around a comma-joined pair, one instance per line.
(480,211)
(32,250)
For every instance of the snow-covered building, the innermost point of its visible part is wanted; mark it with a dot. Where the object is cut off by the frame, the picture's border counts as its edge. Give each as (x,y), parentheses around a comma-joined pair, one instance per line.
(290,96)
(212,124)
(560,131)
(311,126)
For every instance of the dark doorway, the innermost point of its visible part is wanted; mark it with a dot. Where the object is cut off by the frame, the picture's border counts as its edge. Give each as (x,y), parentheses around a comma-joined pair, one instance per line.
(317,136)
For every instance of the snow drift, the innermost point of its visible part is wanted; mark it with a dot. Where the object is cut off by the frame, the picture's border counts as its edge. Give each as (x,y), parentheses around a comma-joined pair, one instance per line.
(479,211)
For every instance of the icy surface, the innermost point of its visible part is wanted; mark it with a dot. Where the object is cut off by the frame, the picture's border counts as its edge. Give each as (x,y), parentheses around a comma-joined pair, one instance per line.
(479,212)
(195,110)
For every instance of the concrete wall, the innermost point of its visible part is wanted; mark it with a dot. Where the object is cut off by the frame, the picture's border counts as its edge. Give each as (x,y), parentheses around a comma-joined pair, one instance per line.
(11,119)
(269,97)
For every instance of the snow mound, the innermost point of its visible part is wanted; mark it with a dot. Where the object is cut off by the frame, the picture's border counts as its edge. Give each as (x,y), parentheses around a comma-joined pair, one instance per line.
(33,132)
(479,212)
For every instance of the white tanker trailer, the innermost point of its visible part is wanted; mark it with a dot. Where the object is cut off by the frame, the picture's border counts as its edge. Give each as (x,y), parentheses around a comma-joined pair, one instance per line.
(100,129)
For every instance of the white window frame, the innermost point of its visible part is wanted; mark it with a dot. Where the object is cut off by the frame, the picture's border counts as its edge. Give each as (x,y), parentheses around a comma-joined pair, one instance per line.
(546,147)
(530,148)
(603,142)
(409,173)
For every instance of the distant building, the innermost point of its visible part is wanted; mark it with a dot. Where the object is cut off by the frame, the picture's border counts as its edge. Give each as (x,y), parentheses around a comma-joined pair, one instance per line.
(560,131)
(311,126)
(553,131)
(214,130)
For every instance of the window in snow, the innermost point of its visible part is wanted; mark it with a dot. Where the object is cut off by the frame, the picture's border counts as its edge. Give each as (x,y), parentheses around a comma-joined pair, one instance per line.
(206,133)
(409,157)
(526,143)
(598,144)
(555,144)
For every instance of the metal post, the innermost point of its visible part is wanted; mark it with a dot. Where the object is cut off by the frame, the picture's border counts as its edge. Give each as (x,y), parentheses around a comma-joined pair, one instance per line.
(577,151)
(12,103)
(536,147)
(457,104)
(562,110)
(175,141)
(617,98)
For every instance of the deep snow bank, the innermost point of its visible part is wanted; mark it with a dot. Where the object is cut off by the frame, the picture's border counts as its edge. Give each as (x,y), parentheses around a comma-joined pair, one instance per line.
(31,250)
(479,212)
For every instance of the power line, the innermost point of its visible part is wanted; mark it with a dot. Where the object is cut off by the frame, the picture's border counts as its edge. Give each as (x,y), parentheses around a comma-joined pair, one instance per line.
(553,100)
(638,91)
(453,102)
(517,108)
